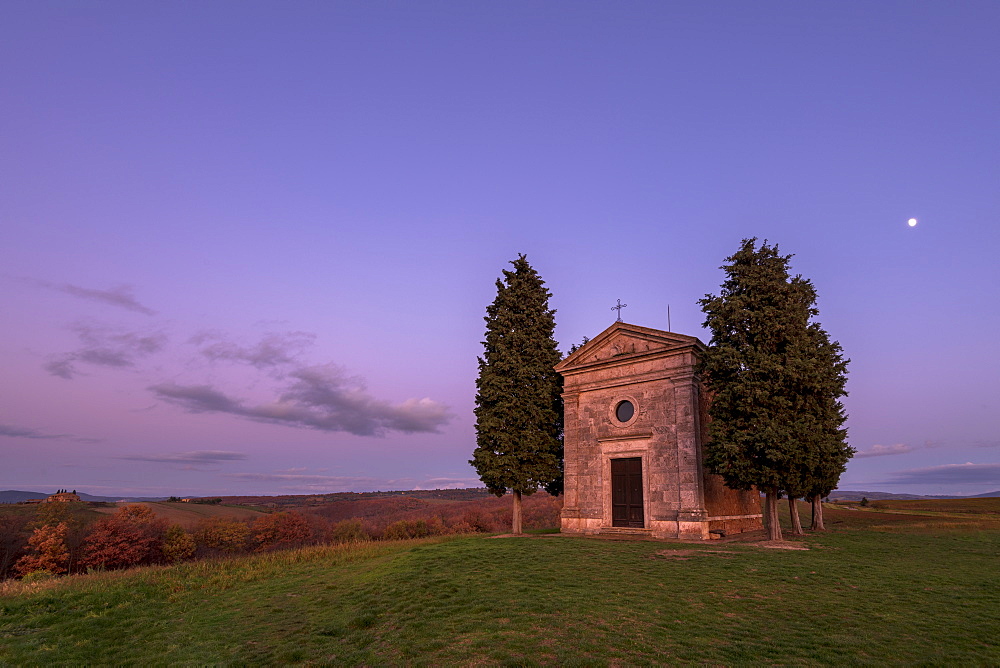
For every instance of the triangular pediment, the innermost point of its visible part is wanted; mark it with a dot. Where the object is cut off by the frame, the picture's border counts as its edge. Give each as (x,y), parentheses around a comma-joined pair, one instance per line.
(623,340)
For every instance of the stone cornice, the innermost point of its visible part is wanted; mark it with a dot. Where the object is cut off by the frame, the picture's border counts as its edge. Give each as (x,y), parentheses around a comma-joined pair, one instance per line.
(681,377)
(668,343)
(626,437)
(627,358)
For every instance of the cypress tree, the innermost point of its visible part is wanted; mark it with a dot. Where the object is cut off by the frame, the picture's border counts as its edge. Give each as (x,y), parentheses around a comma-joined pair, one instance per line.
(831,446)
(519,416)
(776,379)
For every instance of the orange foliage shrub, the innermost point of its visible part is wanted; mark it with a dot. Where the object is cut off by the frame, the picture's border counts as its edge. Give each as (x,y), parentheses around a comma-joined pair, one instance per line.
(541,512)
(75,517)
(178,544)
(222,535)
(47,551)
(348,531)
(402,529)
(282,529)
(131,537)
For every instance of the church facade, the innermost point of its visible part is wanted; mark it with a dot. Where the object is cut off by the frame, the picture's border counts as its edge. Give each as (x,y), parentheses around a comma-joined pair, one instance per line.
(635,423)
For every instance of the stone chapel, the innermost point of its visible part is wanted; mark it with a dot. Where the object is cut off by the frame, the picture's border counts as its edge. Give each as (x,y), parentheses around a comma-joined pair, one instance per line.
(635,422)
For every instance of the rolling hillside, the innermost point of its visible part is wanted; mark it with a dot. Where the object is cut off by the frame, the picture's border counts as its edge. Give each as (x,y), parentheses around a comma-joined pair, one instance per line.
(189,514)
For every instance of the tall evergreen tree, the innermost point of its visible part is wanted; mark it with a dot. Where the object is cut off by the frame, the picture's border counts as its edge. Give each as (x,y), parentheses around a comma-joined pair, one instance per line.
(519,413)
(776,380)
(831,438)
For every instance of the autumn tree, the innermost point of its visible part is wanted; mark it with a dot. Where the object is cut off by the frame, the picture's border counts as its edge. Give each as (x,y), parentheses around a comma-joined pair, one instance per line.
(76,518)
(519,416)
(281,529)
(775,379)
(46,550)
(131,537)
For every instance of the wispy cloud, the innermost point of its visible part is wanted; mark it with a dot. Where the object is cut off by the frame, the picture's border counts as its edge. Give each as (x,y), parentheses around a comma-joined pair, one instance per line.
(328,483)
(318,397)
(949,474)
(273,349)
(107,347)
(301,478)
(61,365)
(23,432)
(11,431)
(304,482)
(192,457)
(321,397)
(120,296)
(449,483)
(884,450)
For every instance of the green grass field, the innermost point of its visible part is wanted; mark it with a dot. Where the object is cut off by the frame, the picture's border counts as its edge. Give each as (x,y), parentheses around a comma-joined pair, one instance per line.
(877,589)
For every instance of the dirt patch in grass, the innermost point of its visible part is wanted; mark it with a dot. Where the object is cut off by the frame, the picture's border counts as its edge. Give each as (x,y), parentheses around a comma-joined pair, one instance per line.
(782,545)
(684,555)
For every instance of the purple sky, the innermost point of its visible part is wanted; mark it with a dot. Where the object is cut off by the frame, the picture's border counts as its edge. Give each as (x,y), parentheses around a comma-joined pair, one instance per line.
(247,246)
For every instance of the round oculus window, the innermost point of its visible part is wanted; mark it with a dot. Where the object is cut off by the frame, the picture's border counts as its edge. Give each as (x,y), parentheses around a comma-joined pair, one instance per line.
(624,411)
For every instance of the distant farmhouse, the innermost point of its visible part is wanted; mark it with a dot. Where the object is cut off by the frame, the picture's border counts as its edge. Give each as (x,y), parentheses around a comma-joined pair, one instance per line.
(635,420)
(63,497)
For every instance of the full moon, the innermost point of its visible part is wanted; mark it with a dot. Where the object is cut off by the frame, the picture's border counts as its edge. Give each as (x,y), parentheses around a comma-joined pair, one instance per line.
(912,222)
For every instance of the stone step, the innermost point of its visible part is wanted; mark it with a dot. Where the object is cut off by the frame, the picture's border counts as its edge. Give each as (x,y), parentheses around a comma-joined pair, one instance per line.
(625,531)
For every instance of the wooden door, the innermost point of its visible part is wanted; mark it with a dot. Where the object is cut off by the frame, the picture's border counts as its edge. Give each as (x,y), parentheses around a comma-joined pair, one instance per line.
(626,493)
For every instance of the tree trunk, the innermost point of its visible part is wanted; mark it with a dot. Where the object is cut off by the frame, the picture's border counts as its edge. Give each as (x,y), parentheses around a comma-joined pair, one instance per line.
(793,511)
(817,513)
(771,516)
(516,516)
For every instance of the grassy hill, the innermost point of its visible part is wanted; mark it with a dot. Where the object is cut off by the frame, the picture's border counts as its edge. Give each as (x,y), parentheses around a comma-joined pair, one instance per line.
(879,588)
(295,501)
(189,514)
(985,506)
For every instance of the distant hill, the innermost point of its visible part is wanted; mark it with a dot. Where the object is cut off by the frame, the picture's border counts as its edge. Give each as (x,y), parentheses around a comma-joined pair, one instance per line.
(17,496)
(188,515)
(849,495)
(299,500)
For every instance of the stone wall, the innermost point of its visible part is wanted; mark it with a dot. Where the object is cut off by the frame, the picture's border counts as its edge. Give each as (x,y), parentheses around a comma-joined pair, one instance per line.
(730,511)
